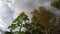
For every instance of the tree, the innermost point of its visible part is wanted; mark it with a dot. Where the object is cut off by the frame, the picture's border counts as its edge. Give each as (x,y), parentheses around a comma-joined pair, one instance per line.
(56,4)
(18,22)
(44,16)
(42,22)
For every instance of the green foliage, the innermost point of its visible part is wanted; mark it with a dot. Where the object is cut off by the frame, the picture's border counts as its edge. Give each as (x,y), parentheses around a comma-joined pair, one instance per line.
(56,4)
(22,16)
(19,22)
(9,32)
(13,26)
(39,22)
(44,16)
(20,32)
(33,27)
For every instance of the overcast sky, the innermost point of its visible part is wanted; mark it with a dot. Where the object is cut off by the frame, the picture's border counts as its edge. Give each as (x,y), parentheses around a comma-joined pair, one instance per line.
(10,9)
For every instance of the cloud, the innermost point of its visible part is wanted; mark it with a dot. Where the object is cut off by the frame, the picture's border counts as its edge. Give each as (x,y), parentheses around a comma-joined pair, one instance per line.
(6,15)
(27,5)
(2,25)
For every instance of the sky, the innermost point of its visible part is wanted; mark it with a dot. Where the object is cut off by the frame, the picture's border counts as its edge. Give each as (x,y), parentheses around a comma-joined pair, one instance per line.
(10,9)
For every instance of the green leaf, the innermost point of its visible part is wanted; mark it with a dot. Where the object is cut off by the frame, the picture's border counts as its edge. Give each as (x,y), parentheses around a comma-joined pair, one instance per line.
(19,22)
(13,26)
(25,17)
(20,32)
(15,20)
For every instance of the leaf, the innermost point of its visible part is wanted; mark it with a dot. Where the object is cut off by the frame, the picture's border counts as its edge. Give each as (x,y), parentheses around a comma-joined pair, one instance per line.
(13,26)
(24,18)
(15,20)
(26,25)
(19,22)
(20,32)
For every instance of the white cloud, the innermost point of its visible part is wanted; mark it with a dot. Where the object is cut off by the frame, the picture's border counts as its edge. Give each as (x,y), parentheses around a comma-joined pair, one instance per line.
(27,5)
(2,25)
(6,15)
